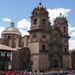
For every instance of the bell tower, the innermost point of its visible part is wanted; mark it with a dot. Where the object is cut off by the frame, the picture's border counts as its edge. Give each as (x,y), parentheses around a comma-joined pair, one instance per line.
(39,37)
(61,26)
(39,18)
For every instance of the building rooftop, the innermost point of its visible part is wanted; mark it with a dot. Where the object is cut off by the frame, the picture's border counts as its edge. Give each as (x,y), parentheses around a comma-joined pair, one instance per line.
(4,47)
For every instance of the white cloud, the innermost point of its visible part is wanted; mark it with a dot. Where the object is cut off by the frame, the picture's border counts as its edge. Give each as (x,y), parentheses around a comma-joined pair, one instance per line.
(71,44)
(72,39)
(72,31)
(53,13)
(23,24)
(24,32)
(1,29)
(73,34)
(6,19)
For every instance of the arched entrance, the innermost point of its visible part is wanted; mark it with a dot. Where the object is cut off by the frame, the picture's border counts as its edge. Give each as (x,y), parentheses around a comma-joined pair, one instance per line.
(55,63)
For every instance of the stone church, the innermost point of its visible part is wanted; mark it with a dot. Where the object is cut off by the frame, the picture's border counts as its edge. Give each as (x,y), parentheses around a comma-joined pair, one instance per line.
(46,46)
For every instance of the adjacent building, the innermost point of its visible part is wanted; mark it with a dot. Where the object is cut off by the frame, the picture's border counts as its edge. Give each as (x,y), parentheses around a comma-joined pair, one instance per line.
(5,57)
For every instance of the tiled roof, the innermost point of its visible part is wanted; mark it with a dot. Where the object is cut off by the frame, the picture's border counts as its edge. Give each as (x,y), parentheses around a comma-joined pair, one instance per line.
(4,47)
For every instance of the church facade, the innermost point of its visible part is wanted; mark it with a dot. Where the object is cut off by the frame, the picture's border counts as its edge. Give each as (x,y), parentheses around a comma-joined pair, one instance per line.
(46,46)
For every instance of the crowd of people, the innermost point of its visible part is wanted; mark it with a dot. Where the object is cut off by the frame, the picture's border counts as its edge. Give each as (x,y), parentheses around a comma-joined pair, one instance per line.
(23,72)
(36,72)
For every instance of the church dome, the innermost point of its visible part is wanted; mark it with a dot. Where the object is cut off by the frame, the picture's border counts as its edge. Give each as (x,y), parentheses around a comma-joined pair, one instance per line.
(11,30)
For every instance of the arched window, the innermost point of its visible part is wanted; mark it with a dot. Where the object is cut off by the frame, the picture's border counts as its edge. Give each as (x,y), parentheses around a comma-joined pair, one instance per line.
(44,36)
(43,21)
(64,29)
(35,21)
(43,47)
(34,36)
(8,37)
(43,13)
(6,55)
(65,49)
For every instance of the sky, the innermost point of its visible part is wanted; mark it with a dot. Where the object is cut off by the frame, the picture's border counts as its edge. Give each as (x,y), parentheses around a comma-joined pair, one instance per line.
(19,12)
